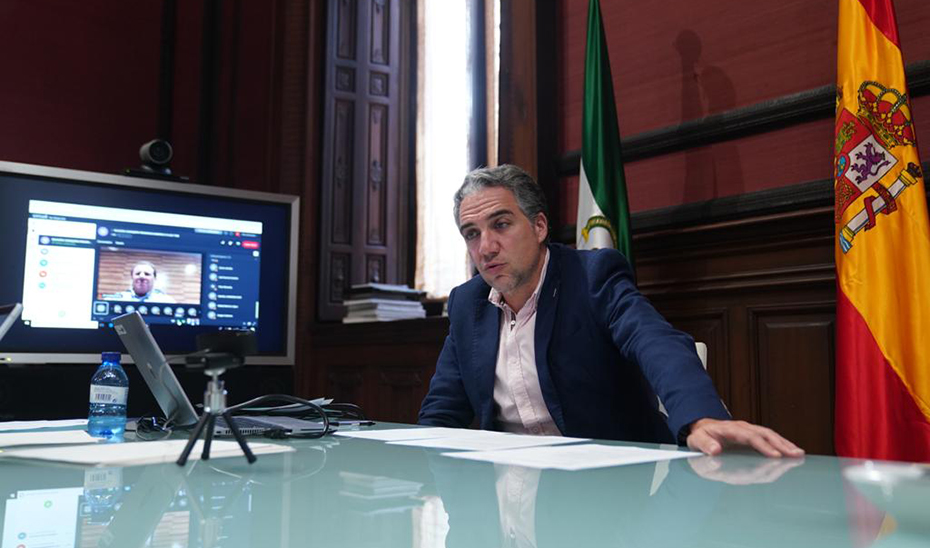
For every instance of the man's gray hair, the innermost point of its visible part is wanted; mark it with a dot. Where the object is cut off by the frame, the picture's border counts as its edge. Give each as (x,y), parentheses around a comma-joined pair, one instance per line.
(149,263)
(525,189)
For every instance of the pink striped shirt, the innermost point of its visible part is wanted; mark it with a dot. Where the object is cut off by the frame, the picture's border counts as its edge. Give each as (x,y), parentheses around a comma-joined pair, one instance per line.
(517,395)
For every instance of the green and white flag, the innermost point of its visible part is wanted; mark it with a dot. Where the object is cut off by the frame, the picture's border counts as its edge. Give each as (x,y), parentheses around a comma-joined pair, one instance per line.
(603,212)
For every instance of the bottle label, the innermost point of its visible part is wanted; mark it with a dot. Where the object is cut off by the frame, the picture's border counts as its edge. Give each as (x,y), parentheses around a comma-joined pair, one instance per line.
(116,395)
(103,478)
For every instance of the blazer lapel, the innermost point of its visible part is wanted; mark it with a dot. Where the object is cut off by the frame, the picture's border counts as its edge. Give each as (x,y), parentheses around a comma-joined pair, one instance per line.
(485,342)
(545,321)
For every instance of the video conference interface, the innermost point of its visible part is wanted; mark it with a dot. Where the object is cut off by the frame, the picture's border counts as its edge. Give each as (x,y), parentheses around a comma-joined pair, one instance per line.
(86,265)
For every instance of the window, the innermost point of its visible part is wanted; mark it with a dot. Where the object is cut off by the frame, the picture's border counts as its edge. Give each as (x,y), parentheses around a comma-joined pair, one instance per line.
(456,131)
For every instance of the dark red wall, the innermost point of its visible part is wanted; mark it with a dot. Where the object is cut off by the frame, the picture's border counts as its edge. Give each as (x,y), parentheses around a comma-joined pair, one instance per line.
(681,60)
(81,86)
(79,81)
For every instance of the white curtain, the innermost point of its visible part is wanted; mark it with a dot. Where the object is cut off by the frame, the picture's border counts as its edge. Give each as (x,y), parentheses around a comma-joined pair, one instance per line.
(445,105)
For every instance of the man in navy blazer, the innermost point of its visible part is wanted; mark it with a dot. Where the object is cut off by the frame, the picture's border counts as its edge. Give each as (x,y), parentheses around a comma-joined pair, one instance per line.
(551,340)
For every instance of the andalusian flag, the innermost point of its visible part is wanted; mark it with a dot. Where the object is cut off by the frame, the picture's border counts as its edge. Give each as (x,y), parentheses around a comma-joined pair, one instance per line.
(603,213)
(882,247)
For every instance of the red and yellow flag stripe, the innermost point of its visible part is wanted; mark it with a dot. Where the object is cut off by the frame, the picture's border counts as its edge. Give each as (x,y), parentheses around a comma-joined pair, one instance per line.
(883,246)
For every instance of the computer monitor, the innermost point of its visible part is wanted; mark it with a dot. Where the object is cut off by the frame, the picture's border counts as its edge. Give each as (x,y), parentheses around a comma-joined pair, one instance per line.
(81,248)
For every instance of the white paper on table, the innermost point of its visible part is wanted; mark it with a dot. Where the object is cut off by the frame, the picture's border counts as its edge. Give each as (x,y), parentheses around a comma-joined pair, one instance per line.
(46,438)
(147,452)
(573,457)
(32,425)
(401,434)
(489,441)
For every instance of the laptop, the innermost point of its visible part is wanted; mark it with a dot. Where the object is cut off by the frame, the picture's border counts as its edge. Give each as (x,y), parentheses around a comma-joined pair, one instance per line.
(8,315)
(174,403)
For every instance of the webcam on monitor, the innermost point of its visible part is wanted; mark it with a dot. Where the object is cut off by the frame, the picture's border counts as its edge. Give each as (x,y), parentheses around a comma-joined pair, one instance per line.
(156,158)
(156,155)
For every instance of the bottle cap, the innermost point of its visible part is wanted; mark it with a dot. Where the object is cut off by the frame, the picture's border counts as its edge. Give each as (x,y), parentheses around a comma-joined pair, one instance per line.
(111,357)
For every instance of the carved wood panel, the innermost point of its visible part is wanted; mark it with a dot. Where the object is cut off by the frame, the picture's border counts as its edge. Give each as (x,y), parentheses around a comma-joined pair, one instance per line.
(366,149)
(346,385)
(375,268)
(385,367)
(346,28)
(380,31)
(344,131)
(793,366)
(379,84)
(340,266)
(400,392)
(377,158)
(345,79)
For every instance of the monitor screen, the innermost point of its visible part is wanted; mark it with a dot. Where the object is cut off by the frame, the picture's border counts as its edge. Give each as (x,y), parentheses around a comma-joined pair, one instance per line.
(82,248)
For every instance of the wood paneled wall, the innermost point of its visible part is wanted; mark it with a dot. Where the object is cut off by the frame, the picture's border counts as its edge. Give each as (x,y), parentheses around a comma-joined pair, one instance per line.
(383,367)
(760,292)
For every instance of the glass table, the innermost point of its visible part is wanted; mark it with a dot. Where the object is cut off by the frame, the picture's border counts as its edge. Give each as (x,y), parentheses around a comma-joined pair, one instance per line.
(350,492)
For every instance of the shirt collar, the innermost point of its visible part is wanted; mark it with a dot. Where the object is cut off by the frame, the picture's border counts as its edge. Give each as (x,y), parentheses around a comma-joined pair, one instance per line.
(495,297)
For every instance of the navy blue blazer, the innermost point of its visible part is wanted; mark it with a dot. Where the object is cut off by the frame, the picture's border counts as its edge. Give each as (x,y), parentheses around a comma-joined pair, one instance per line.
(602,355)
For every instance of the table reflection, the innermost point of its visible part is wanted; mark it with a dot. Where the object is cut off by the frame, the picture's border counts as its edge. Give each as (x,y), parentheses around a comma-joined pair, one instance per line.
(902,492)
(742,471)
(742,501)
(363,493)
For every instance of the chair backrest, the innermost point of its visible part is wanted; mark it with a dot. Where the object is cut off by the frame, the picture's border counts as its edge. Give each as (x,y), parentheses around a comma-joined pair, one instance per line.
(701,349)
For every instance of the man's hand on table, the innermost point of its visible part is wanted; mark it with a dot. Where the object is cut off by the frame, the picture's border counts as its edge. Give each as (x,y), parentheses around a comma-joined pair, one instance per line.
(712,436)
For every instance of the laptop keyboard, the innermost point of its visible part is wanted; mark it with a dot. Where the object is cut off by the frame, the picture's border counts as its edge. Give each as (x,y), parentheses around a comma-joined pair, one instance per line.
(246,425)
(256,426)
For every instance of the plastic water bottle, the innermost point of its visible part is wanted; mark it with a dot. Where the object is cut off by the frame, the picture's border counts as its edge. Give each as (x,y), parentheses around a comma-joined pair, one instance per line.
(109,390)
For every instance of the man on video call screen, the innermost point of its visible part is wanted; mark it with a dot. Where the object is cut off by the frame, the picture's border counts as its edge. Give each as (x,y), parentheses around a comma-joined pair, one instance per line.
(143,289)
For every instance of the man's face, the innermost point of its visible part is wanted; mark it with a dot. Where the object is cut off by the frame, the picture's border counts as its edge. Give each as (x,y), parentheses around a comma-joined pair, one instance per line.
(143,278)
(502,242)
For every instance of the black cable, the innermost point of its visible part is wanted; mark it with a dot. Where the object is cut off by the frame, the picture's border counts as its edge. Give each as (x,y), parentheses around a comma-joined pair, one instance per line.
(293,399)
(335,411)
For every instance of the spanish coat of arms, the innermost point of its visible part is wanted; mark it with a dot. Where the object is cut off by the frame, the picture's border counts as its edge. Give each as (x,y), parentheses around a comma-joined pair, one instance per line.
(864,157)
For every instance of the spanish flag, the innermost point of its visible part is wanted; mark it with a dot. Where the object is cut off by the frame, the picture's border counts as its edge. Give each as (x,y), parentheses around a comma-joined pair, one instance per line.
(882,246)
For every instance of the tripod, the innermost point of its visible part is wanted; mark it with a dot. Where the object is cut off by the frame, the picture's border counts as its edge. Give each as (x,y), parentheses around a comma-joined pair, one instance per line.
(214,404)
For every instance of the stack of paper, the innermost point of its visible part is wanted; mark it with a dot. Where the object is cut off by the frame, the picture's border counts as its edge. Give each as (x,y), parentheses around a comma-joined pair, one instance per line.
(519,450)
(33,425)
(460,439)
(488,441)
(401,434)
(573,457)
(46,438)
(383,302)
